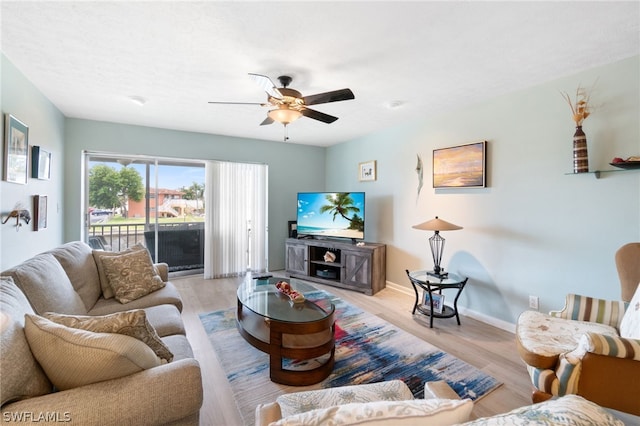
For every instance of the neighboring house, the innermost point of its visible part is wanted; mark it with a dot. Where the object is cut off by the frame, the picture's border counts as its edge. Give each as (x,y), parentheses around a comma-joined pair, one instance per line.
(165,198)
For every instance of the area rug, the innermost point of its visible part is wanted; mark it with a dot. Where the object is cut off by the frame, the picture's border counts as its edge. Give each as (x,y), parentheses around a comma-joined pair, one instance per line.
(368,350)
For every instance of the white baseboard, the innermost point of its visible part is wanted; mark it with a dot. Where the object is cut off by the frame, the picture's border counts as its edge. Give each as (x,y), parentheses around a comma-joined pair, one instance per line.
(495,322)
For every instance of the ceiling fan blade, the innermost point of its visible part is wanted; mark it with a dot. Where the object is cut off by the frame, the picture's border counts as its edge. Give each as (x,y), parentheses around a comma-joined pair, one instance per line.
(266,121)
(266,84)
(240,103)
(317,115)
(334,96)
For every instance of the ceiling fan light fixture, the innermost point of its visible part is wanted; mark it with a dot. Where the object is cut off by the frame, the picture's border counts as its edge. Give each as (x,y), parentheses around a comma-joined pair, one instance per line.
(284,115)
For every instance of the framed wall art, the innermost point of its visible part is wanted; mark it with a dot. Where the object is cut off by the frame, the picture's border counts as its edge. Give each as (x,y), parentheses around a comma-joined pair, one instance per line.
(39,212)
(40,163)
(460,166)
(16,150)
(438,302)
(367,171)
(293,229)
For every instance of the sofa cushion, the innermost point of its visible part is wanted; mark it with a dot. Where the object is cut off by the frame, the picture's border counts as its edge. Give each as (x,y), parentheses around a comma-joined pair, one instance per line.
(168,295)
(22,376)
(630,324)
(179,346)
(391,413)
(568,410)
(71,357)
(77,262)
(541,338)
(107,291)
(46,285)
(129,323)
(300,402)
(131,275)
(165,319)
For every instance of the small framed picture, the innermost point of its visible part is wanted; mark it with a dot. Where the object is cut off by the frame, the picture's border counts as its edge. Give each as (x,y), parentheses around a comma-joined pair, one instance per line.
(39,212)
(40,163)
(16,150)
(438,302)
(367,171)
(293,229)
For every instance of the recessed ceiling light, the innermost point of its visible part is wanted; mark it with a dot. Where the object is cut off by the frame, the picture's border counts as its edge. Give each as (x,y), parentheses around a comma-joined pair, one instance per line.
(138,100)
(395,104)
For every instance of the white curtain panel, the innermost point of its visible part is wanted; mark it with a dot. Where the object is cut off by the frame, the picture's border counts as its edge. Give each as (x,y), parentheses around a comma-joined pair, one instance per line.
(236,219)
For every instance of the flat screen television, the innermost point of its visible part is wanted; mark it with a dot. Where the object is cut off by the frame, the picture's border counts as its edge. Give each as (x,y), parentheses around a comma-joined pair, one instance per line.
(331,215)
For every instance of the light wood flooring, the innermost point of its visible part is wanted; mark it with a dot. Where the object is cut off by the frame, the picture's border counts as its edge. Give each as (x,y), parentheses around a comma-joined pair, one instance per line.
(486,347)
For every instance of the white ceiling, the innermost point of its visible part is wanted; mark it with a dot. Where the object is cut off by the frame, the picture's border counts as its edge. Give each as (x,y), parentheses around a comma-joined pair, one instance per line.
(403,60)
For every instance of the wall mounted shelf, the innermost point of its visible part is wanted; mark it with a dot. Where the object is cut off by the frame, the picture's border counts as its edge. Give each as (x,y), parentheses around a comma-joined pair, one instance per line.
(597,173)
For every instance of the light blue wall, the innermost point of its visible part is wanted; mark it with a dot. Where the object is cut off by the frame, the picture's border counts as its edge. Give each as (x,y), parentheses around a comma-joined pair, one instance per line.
(533,230)
(46,128)
(292,167)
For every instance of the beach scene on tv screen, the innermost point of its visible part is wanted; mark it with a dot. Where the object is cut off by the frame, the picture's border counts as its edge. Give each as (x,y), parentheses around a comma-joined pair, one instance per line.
(337,214)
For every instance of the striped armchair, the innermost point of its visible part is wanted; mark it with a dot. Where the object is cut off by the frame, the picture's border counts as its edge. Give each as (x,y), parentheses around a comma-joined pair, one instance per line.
(580,350)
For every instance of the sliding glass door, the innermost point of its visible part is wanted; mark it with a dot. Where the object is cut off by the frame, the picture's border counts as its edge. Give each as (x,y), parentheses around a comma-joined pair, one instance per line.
(156,202)
(196,216)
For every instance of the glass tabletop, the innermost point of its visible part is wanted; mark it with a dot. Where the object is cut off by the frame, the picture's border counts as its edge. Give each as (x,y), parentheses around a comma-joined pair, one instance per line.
(451,278)
(262,297)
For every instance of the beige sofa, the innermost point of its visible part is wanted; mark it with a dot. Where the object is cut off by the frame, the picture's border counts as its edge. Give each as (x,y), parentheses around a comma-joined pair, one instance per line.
(67,280)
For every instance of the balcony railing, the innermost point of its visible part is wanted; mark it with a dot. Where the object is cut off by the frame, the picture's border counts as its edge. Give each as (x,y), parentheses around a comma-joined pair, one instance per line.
(180,245)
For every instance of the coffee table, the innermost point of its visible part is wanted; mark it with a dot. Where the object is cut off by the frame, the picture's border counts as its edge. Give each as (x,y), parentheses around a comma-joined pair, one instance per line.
(274,324)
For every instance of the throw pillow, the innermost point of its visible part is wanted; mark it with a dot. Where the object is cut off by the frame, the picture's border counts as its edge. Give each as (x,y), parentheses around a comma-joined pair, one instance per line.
(300,402)
(107,291)
(567,410)
(130,323)
(131,275)
(386,413)
(630,324)
(71,357)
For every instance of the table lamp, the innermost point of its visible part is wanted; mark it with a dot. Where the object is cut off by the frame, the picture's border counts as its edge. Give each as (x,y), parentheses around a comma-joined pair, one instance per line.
(437,242)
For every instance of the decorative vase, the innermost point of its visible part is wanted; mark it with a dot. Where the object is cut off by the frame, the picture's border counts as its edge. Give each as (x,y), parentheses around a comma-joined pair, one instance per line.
(580,157)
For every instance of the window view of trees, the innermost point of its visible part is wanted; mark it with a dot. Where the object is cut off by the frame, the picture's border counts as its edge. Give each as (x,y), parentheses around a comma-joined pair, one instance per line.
(125,209)
(111,189)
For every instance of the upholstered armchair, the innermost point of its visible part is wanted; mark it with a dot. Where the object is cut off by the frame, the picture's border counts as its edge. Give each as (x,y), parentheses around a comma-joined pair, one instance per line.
(591,347)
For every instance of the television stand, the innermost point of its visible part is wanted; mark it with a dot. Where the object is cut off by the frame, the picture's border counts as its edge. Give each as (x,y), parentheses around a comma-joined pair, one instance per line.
(355,267)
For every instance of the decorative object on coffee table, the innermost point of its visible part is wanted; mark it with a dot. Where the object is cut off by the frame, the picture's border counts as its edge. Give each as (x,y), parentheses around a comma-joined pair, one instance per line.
(436,241)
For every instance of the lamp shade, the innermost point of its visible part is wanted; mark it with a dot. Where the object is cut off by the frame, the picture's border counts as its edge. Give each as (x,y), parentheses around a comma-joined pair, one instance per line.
(437,225)
(284,115)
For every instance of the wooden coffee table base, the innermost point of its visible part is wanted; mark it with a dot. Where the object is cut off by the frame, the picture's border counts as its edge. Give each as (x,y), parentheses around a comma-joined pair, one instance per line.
(269,336)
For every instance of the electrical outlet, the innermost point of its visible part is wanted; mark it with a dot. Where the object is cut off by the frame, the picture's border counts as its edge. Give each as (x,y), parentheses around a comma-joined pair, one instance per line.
(533,302)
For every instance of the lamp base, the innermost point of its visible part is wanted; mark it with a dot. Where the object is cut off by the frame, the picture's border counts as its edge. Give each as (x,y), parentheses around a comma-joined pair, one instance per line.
(440,275)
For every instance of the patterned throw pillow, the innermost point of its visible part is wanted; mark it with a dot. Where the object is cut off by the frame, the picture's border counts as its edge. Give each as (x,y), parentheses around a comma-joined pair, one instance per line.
(630,324)
(107,291)
(72,358)
(130,323)
(300,402)
(386,413)
(567,410)
(131,275)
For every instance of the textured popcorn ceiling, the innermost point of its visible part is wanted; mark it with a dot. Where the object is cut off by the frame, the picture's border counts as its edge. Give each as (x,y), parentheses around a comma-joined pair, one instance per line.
(403,60)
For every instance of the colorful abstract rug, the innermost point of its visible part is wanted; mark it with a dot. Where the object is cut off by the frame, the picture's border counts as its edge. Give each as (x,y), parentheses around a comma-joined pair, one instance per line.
(368,350)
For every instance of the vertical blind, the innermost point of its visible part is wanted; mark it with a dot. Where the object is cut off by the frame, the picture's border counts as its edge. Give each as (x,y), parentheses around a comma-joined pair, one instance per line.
(236,219)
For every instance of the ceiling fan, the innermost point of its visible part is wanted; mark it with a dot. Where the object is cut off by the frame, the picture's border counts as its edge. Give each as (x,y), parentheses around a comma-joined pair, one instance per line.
(290,104)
